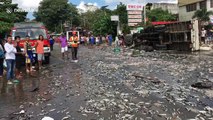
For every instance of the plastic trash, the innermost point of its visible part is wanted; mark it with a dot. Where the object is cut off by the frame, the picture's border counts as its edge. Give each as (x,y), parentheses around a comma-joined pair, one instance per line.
(117,50)
(47,118)
(16,81)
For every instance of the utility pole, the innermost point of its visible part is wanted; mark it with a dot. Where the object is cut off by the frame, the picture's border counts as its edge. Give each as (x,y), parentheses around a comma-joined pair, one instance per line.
(118,27)
(144,14)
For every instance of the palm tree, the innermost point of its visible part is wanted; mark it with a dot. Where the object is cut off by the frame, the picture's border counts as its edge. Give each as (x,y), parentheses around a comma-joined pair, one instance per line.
(203,15)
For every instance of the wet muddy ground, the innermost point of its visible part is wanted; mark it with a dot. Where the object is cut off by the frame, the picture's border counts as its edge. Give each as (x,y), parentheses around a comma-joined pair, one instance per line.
(105,85)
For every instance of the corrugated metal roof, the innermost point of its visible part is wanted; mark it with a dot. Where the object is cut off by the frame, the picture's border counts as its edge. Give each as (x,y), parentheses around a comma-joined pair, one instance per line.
(186,2)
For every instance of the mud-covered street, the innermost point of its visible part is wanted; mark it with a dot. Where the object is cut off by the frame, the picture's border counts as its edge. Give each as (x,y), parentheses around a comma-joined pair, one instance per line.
(105,85)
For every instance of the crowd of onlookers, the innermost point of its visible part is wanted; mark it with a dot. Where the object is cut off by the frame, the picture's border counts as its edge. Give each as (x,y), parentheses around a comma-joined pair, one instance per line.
(12,57)
(74,40)
(96,40)
(206,36)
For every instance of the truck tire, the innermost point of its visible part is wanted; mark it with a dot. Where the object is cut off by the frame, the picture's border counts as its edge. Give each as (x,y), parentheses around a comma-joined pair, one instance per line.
(47,59)
(128,41)
(137,41)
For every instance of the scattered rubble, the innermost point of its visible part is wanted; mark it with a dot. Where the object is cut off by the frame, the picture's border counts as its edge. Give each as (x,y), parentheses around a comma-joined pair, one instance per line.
(106,85)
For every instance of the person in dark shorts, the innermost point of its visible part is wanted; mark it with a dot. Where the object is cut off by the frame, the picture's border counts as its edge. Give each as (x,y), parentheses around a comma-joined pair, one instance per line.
(28,55)
(19,57)
(52,41)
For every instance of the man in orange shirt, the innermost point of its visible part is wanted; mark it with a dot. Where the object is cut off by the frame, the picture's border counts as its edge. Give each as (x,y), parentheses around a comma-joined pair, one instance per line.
(74,43)
(40,50)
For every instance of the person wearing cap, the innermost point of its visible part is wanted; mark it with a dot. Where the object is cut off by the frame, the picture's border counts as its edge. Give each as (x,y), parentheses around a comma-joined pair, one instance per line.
(74,43)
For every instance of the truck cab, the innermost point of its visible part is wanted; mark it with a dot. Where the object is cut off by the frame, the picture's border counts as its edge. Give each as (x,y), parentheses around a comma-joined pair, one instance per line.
(33,30)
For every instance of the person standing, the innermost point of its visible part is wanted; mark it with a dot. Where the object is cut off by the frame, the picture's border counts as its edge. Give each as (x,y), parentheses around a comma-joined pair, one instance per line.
(110,40)
(117,42)
(104,39)
(87,40)
(2,55)
(74,43)
(29,54)
(40,50)
(209,37)
(92,40)
(82,41)
(10,58)
(100,42)
(19,57)
(64,45)
(52,41)
(203,35)
(97,40)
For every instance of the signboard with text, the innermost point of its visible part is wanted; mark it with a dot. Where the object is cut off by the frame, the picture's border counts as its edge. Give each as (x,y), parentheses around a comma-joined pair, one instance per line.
(134,7)
(115,18)
(132,24)
(135,16)
(134,20)
(134,12)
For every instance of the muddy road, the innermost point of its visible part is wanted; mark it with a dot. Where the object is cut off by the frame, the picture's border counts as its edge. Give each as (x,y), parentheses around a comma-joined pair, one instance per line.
(105,85)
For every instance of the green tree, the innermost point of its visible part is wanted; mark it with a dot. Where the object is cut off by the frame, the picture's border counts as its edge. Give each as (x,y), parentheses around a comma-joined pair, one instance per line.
(103,25)
(54,13)
(126,29)
(98,21)
(88,19)
(9,14)
(123,17)
(121,12)
(74,17)
(159,14)
(202,15)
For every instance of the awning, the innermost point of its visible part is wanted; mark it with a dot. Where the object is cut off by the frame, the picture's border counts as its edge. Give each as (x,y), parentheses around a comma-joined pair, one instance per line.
(162,22)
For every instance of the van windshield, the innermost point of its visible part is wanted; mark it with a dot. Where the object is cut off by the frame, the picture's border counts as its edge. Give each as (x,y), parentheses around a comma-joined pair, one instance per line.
(32,32)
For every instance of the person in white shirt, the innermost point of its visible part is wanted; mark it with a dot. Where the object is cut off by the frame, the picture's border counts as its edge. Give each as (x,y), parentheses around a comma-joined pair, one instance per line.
(10,57)
(203,35)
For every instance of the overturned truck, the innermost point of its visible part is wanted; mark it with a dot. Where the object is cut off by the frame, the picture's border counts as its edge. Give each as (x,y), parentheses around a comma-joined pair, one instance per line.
(181,36)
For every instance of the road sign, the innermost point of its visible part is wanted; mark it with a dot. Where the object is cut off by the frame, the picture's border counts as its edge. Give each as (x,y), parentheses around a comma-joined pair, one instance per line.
(115,18)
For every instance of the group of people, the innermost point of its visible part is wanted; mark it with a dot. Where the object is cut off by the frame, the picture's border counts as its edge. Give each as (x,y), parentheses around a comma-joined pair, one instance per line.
(206,36)
(74,41)
(96,40)
(11,53)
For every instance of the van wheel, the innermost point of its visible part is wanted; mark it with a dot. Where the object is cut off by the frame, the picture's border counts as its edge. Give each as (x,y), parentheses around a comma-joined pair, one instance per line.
(47,59)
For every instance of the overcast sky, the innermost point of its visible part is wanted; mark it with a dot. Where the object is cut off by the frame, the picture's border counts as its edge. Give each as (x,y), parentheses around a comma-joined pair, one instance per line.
(32,5)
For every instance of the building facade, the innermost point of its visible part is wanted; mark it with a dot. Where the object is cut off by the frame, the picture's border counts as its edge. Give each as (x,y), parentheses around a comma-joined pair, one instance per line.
(87,7)
(187,8)
(172,8)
